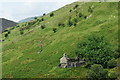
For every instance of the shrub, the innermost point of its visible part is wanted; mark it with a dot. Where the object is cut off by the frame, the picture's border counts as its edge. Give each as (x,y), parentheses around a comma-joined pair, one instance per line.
(52,14)
(112,63)
(42,26)
(95,49)
(75,20)
(54,30)
(44,14)
(113,75)
(42,19)
(75,24)
(61,24)
(70,23)
(6,35)
(5,31)
(70,10)
(85,17)
(35,17)
(90,10)
(80,14)
(97,72)
(9,32)
(76,6)
(21,32)
(17,26)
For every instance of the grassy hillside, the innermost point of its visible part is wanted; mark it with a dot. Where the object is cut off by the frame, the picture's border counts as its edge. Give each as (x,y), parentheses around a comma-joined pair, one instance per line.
(21,58)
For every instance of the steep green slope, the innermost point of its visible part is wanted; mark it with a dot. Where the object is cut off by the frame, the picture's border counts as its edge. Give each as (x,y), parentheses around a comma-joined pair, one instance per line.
(21,58)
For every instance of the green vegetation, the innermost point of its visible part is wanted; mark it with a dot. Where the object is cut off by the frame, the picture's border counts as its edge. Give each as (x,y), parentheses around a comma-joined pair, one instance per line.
(52,14)
(97,72)
(95,49)
(96,31)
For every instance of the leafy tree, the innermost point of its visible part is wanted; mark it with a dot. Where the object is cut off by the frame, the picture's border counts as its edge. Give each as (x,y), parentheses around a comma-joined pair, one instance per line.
(42,19)
(75,24)
(76,6)
(35,17)
(5,30)
(85,17)
(61,24)
(70,10)
(90,10)
(6,35)
(112,63)
(21,32)
(70,23)
(80,14)
(54,30)
(9,32)
(113,75)
(95,49)
(44,14)
(52,14)
(75,20)
(97,72)
(42,26)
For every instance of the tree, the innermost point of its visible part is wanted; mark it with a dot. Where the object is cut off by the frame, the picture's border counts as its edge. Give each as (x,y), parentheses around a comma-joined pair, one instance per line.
(113,75)
(44,14)
(97,72)
(75,20)
(70,10)
(42,19)
(90,10)
(52,14)
(112,63)
(42,26)
(21,32)
(54,30)
(6,35)
(35,17)
(80,14)
(76,6)
(70,23)
(95,49)
(9,32)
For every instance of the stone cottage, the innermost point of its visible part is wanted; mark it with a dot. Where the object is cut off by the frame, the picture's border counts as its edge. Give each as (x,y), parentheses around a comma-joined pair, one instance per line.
(66,62)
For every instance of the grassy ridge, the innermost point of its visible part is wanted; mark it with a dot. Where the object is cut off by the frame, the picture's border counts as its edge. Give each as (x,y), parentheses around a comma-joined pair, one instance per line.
(20,52)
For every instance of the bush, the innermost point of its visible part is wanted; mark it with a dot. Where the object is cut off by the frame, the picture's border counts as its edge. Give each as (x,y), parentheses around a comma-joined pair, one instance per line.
(42,26)
(97,72)
(61,24)
(17,26)
(70,10)
(80,14)
(90,10)
(21,32)
(95,49)
(113,75)
(76,6)
(52,14)
(35,17)
(75,20)
(112,63)
(42,19)
(70,23)
(9,32)
(85,17)
(54,30)
(5,31)
(75,24)
(44,14)
(6,35)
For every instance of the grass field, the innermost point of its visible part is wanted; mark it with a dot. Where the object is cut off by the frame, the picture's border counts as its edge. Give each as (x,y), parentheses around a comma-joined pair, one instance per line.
(21,58)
